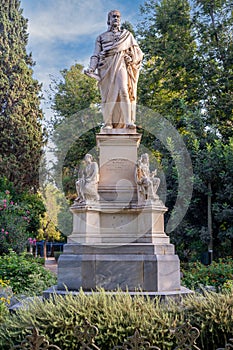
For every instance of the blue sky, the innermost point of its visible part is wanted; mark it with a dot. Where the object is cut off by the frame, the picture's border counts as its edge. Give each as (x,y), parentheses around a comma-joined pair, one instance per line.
(63,32)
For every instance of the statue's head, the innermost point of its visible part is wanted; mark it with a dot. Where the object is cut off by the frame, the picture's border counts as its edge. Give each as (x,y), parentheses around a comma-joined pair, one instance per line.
(88,158)
(145,158)
(114,18)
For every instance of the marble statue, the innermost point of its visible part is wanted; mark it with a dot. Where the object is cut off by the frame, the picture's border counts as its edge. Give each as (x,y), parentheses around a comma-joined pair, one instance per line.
(87,184)
(117,59)
(147,182)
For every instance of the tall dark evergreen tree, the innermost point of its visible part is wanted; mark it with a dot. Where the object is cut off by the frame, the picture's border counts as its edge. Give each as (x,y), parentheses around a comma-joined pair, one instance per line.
(21,134)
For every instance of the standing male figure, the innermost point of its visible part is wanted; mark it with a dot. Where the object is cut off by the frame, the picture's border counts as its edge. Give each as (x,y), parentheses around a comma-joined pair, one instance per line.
(117,58)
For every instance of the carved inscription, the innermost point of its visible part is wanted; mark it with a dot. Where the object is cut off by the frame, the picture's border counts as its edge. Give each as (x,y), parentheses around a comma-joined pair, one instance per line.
(115,170)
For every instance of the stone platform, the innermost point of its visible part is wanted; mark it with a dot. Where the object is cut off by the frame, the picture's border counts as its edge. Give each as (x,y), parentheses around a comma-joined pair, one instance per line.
(177,295)
(118,242)
(128,267)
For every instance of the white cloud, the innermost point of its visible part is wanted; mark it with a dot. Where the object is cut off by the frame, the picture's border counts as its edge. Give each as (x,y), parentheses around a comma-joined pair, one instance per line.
(65,19)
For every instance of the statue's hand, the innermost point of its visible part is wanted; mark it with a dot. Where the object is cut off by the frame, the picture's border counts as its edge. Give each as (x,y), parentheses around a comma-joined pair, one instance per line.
(154,173)
(91,73)
(128,59)
(88,71)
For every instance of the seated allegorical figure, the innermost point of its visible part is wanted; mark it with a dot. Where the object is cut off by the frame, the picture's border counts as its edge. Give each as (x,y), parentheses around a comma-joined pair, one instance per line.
(87,184)
(147,182)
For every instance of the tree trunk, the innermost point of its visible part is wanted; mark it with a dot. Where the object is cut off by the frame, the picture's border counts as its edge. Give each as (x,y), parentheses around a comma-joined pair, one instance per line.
(45,249)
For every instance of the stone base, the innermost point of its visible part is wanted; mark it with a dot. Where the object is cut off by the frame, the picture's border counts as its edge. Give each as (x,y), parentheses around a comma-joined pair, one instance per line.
(177,295)
(119,242)
(130,267)
(118,223)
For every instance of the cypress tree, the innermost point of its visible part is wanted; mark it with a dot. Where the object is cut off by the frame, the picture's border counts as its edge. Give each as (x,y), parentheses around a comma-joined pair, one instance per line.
(21,134)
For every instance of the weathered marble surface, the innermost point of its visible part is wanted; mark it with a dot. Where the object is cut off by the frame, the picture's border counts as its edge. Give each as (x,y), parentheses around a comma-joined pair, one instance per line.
(120,270)
(118,241)
(87,184)
(117,159)
(117,223)
(117,59)
(147,182)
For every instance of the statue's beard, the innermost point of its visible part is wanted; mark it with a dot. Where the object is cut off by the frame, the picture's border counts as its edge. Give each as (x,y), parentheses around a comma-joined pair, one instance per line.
(115,26)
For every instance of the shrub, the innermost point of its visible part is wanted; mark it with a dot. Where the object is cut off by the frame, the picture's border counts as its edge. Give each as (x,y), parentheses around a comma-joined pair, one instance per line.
(20,216)
(40,260)
(14,220)
(117,316)
(196,275)
(5,296)
(228,286)
(212,314)
(25,275)
(3,311)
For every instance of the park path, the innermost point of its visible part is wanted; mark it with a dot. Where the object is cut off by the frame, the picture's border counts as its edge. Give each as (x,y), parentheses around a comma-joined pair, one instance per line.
(51,265)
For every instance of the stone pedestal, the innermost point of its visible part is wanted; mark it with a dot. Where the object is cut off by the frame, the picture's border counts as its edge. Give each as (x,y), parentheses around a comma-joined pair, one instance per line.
(130,267)
(116,242)
(115,224)
(117,159)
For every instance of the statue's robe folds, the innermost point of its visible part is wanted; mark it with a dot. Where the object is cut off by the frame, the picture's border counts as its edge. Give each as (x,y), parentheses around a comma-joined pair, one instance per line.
(87,185)
(118,79)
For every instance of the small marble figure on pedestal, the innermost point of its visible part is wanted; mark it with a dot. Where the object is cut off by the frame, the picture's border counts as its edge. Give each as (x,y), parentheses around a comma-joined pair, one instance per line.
(117,58)
(147,182)
(87,184)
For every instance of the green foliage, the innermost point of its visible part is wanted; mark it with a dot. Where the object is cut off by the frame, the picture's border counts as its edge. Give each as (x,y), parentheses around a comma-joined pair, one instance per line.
(169,84)
(25,276)
(20,214)
(170,72)
(212,21)
(185,77)
(5,296)
(21,135)
(14,221)
(228,286)
(48,230)
(212,166)
(128,26)
(74,137)
(58,218)
(74,159)
(36,208)
(74,103)
(218,274)
(211,313)
(188,56)
(39,260)
(117,315)
(3,310)
(73,93)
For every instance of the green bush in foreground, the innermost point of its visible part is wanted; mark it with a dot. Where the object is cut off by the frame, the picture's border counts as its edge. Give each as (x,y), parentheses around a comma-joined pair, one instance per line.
(117,316)
(5,296)
(218,274)
(25,275)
